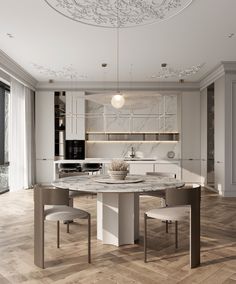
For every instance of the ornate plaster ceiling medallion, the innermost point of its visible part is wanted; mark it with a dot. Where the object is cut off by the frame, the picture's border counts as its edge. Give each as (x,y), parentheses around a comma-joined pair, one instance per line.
(67,72)
(168,72)
(131,13)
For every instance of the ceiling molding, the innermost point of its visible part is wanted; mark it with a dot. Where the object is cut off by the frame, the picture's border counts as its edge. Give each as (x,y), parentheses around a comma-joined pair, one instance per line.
(112,86)
(14,70)
(212,77)
(121,14)
(219,71)
(229,66)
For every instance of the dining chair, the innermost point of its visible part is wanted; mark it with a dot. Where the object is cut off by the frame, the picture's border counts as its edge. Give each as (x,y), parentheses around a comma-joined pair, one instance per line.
(161,194)
(182,202)
(92,167)
(59,210)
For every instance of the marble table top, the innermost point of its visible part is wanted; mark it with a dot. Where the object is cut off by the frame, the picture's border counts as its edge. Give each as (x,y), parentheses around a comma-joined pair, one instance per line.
(89,184)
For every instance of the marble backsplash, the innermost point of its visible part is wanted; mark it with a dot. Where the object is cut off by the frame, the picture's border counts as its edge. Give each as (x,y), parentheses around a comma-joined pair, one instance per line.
(155,114)
(120,150)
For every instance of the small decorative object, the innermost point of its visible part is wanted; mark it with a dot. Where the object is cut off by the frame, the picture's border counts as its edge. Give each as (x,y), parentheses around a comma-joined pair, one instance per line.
(171,154)
(118,169)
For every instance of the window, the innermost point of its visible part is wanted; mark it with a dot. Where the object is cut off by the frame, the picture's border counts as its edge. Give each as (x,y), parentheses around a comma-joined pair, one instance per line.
(4,130)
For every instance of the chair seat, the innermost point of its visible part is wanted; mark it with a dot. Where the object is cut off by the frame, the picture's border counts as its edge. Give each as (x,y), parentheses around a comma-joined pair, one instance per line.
(176,213)
(63,213)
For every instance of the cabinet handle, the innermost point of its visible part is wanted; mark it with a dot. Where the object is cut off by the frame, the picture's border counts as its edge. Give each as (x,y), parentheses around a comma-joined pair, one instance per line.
(218,162)
(44,159)
(190,159)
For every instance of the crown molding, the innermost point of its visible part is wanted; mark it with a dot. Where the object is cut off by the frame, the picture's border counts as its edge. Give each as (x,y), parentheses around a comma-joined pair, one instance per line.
(229,66)
(212,76)
(14,70)
(123,86)
(225,67)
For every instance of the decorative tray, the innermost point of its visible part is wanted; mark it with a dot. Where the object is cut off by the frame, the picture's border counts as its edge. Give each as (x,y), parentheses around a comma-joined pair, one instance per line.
(114,181)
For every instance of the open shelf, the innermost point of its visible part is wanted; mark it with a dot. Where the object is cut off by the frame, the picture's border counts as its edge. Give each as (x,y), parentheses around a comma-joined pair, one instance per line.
(134,137)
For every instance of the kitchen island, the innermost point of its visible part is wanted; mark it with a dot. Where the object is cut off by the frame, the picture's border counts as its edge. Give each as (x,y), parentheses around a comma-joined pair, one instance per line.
(136,165)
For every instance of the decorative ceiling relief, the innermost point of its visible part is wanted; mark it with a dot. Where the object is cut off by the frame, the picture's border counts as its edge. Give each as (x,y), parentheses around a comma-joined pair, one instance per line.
(67,72)
(118,13)
(168,72)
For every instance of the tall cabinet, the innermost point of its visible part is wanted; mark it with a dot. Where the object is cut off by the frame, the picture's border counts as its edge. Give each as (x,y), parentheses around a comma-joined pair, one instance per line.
(44,127)
(191,137)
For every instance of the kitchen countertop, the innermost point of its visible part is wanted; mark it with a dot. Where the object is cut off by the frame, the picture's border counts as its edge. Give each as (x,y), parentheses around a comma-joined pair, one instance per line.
(109,160)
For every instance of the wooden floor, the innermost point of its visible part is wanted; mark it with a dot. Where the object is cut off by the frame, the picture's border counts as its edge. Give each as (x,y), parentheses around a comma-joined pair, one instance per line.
(111,264)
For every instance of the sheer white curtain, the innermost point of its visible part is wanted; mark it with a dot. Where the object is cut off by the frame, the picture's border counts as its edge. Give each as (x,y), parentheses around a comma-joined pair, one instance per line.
(21,137)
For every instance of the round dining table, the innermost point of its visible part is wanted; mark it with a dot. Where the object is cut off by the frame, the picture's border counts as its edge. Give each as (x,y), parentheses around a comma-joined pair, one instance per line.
(117,202)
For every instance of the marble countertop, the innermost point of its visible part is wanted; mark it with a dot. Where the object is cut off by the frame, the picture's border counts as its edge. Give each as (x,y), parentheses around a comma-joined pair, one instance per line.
(109,160)
(89,184)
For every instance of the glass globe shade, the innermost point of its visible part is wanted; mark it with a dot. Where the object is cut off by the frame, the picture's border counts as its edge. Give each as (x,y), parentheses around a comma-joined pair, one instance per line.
(117,101)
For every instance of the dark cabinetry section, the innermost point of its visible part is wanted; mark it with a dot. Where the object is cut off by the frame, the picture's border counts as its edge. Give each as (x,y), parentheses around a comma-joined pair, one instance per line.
(59,109)
(75,149)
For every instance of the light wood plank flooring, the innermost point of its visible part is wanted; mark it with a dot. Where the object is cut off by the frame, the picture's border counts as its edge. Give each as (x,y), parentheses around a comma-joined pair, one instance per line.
(111,264)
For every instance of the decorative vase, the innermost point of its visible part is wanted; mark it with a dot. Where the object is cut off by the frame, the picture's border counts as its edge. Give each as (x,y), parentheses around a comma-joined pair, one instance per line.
(118,175)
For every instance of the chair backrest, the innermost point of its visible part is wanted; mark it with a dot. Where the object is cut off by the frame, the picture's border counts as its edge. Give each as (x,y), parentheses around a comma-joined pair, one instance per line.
(91,166)
(161,174)
(49,195)
(188,195)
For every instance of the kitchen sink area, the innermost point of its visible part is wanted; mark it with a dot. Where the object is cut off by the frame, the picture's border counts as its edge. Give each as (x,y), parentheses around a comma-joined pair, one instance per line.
(139,159)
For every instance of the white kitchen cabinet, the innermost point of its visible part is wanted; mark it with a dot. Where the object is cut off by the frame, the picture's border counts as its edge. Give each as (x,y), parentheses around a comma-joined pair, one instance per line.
(141,168)
(169,168)
(191,171)
(44,125)
(190,126)
(44,135)
(44,171)
(75,116)
(191,137)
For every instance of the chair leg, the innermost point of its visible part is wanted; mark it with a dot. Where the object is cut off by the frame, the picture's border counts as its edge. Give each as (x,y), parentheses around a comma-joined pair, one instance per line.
(58,234)
(68,227)
(145,238)
(89,238)
(176,234)
(167,227)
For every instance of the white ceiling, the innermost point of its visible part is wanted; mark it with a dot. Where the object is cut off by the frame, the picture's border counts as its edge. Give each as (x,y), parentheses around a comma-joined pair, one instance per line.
(43,37)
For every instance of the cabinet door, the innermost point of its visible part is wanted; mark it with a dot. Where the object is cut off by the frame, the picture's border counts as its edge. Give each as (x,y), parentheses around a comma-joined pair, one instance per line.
(191,171)
(168,168)
(44,171)
(140,169)
(44,124)
(190,125)
(75,116)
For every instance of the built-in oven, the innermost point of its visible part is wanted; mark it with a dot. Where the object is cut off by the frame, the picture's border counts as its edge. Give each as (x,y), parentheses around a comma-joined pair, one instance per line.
(75,149)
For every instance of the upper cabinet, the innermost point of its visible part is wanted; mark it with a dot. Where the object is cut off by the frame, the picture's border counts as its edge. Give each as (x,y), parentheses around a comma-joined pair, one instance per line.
(75,116)
(44,124)
(143,114)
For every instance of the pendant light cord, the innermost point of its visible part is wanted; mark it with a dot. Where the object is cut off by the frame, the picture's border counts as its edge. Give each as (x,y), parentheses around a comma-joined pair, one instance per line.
(117,51)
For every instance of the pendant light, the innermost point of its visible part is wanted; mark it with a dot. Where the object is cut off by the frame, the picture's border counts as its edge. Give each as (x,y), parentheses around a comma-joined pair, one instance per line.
(118,100)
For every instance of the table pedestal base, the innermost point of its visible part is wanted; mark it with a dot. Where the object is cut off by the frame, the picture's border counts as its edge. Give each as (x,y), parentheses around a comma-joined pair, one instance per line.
(118,218)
